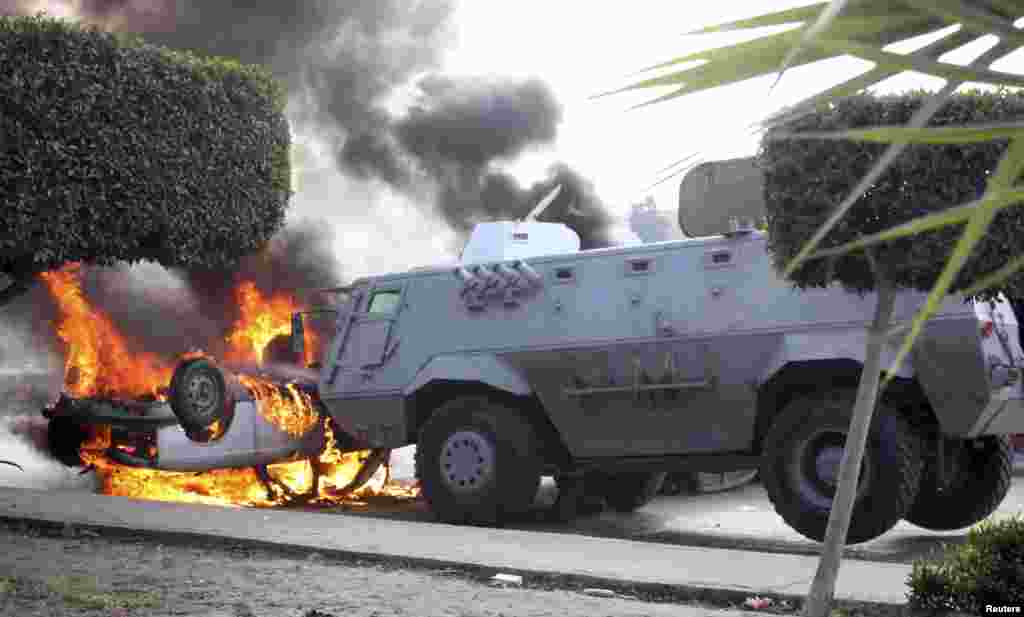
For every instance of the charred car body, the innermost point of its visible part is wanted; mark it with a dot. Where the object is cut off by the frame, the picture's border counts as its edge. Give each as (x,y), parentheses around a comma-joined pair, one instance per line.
(609,368)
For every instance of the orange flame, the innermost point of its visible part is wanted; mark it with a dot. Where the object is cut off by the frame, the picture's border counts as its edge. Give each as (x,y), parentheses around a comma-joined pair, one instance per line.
(261,321)
(99,363)
(98,360)
(293,412)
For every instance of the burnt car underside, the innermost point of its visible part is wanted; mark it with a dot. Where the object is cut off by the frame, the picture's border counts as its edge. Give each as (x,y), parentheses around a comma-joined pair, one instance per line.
(209,421)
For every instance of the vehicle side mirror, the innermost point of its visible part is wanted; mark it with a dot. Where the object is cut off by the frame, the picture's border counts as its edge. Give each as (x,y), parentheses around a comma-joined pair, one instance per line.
(298,334)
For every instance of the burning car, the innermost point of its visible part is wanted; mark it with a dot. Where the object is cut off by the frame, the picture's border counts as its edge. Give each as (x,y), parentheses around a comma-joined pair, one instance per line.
(210,419)
(199,431)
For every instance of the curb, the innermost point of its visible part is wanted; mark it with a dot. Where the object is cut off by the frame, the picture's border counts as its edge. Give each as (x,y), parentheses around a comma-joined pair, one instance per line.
(718,598)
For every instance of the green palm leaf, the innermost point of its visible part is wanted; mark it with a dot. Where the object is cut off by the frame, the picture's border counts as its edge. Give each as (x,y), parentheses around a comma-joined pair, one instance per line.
(788,16)
(861,82)
(971,17)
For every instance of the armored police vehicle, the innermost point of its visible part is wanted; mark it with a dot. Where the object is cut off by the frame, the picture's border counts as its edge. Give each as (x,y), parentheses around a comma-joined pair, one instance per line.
(607,368)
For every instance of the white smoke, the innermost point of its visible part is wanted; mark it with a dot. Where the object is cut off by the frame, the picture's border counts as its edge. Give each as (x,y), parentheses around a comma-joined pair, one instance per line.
(377,229)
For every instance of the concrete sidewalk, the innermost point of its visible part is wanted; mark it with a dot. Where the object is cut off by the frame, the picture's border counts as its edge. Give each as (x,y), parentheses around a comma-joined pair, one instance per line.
(503,550)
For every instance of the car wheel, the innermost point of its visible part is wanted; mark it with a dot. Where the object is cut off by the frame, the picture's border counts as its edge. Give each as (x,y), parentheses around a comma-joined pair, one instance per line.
(478,462)
(199,398)
(801,459)
(981,477)
(64,437)
(627,491)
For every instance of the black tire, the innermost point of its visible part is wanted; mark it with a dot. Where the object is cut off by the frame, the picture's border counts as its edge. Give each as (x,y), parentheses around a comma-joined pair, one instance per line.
(627,491)
(64,438)
(476,427)
(982,477)
(199,398)
(279,351)
(811,428)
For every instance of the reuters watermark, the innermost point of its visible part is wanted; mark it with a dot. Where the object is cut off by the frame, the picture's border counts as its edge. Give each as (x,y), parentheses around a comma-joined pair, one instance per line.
(1004,609)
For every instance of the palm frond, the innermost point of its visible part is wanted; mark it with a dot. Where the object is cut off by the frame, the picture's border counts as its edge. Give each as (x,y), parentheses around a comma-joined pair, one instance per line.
(779,18)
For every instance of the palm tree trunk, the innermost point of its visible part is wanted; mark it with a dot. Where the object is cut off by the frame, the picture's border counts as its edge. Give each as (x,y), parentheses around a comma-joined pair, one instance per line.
(819,600)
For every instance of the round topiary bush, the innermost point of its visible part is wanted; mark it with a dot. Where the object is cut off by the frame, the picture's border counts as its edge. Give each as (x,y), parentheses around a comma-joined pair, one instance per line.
(115,150)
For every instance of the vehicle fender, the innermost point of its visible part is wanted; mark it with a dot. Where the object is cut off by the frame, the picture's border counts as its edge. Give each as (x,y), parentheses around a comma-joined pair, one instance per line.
(482,368)
(830,344)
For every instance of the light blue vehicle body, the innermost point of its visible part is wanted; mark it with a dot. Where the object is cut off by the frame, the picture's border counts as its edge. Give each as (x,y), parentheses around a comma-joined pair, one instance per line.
(654,351)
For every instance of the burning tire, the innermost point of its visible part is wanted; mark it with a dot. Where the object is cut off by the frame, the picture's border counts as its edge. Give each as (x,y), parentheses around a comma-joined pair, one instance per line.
(626,492)
(981,477)
(800,466)
(199,399)
(477,462)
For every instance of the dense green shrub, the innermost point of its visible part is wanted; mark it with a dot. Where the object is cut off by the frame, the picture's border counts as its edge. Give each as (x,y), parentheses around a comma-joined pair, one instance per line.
(805,179)
(112,149)
(987,569)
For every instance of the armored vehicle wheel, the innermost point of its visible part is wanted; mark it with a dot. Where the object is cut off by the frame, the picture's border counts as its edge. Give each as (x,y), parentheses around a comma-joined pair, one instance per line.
(64,437)
(626,492)
(477,461)
(981,477)
(802,454)
(198,397)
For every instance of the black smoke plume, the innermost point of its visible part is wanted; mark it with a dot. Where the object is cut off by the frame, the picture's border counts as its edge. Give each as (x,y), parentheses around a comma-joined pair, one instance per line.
(349,55)
(457,133)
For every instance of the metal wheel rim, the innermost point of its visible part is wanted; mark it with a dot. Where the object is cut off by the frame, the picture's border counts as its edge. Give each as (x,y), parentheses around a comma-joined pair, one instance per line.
(467,462)
(815,461)
(201,394)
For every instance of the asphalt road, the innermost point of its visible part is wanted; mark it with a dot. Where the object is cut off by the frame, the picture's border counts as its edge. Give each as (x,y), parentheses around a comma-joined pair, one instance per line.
(741,518)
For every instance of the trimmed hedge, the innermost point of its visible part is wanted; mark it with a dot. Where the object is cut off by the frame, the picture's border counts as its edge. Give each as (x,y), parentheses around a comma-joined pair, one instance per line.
(115,150)
(988,569)
(805,179)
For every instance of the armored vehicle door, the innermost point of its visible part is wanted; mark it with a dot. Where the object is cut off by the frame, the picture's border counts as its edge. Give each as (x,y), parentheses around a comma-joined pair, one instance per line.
(366,338)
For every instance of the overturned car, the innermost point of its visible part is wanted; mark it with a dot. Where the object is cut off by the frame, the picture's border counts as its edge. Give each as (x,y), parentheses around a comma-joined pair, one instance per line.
(209,418)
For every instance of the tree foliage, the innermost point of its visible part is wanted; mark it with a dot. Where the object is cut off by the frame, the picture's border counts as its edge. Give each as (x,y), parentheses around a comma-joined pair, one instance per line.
(806,177)
(115,150)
